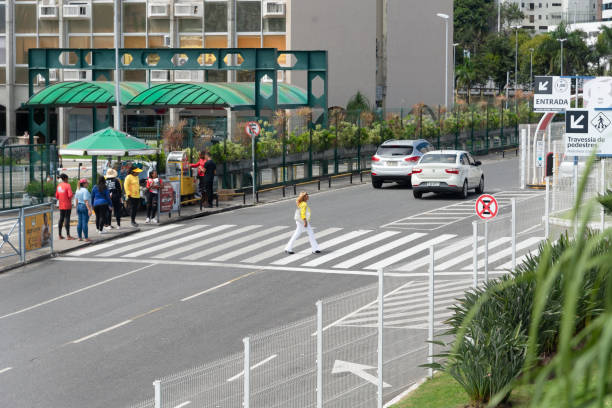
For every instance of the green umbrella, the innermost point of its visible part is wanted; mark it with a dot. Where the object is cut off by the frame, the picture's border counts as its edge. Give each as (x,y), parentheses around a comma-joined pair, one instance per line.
(108,142)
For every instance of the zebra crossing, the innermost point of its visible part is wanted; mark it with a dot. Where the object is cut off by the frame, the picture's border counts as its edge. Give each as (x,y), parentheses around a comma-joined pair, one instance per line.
(342,249)
(444,216)
(406,307)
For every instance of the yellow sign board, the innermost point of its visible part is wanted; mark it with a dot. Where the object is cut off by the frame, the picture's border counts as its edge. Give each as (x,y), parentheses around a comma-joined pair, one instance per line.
(37,231)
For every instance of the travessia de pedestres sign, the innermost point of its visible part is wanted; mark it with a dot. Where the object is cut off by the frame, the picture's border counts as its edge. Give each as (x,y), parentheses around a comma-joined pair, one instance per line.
(588,129)
(552,94)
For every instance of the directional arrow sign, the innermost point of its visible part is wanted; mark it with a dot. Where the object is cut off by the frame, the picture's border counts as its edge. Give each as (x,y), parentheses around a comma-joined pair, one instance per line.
(543,86)
(577,121)
(552,94)
(360,370)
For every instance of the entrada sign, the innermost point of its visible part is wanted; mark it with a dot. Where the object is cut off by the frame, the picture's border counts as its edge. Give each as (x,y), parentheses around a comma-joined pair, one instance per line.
(552,94)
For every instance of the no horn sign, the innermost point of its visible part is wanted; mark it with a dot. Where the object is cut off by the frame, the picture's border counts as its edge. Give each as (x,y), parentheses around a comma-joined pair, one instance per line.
(486,207)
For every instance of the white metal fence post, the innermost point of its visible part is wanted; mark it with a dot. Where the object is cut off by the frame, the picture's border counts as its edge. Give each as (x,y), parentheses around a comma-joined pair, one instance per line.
(486,251)
(475,252)
(381,326)
(22,245)
(528,154)
(157,393)
(247,372)
(523,153)
(51,226)
(431,309)
(546,209)
(513,201)
(603,191)
(319,354)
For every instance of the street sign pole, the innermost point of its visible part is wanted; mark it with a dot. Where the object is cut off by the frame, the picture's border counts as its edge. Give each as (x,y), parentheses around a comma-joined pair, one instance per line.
(253,167)
(253,130)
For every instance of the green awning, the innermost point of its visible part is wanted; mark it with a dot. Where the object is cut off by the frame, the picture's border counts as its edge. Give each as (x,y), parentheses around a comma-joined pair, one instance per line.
(233,95)
(108,142)
(85,93)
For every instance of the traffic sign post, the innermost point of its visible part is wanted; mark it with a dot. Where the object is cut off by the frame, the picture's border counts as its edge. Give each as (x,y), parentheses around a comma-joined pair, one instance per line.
(486,207)
(253,130)
(586,130)
(552,94)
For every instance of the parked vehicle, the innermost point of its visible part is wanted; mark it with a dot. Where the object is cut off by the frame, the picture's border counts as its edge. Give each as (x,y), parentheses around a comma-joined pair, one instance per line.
(394,160)
(447,171)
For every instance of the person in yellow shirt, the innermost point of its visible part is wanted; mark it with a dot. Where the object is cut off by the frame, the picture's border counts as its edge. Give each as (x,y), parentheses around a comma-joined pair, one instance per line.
(302,223)
(132,192)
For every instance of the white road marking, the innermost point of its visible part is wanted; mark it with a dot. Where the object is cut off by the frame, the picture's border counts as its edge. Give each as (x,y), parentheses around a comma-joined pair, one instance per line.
(240,374)
(250,248)
(438,254)
(101,332)
(469,254)
(205,242)
(4,370)
(378,251)
(186,238)
(411,251)
(82,289)
(184,404)
(216,287)
(130,238)
(238,241)
(140,243)
(351,248)
(302,241)
(323,246)
(506,252)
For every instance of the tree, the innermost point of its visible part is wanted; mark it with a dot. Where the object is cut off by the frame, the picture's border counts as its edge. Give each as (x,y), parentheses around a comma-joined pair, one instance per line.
(495,59)
(511,14)
(466,76)
(358,102)
(472,20)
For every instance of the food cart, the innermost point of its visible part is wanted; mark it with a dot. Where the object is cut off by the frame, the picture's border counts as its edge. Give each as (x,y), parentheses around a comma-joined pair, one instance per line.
(178,170)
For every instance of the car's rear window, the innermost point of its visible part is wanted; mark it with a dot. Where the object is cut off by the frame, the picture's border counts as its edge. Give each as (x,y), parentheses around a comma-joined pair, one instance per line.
(439,158)
(394,150)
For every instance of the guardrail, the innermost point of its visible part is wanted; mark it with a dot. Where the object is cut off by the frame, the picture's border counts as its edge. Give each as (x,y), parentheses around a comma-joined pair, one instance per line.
(26,229)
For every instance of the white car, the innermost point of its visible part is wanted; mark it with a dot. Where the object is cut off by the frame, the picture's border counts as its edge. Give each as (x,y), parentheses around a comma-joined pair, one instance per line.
(447,171)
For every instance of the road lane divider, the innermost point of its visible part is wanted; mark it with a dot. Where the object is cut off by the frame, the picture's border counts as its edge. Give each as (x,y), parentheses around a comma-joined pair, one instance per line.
(254,366)
(82,339)
(183,404)
(218,286)
(4,370)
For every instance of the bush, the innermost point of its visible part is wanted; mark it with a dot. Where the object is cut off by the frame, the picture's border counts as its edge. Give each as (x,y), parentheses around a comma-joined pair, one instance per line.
(33,188)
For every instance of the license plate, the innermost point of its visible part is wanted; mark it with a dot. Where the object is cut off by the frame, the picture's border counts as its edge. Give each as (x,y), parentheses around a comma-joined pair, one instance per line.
(433,184)
(391,163)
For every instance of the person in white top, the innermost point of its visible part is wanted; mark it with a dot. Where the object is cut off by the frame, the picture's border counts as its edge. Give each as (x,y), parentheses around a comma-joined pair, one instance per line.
(302,223)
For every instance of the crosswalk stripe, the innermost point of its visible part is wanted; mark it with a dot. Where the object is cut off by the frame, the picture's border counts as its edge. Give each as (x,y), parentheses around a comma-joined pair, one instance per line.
(131,238)
(323,246)
(378,251)
(508,265)
(155,240)
(253,247)
(414,311)
(174,242)
(411,251)
(414,265)
(229,244)
(506,252)
(205,242)
(415,304)
(468,255)
(439,317)
(351,248)
(302,241)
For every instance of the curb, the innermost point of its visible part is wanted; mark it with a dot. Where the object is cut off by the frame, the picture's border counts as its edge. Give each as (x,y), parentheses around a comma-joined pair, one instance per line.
(404,394)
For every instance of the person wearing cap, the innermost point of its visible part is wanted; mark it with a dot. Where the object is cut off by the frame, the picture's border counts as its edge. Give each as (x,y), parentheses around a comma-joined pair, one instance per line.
(63,193)
(83,199)
(116,193)
(132,192)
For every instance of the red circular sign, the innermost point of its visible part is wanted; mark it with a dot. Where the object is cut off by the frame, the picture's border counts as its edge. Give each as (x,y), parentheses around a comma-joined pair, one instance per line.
(253,129)
(486,207)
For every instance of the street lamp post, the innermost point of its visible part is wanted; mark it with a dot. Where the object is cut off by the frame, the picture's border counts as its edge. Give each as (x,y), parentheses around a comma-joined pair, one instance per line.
(117,75)
(516,27)
(445,17)
(561,40)
(454,63)
(531,70)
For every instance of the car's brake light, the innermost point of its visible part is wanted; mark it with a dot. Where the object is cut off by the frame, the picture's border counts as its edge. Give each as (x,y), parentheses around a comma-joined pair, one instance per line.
(374,158)
(417,171)
(412,159)
(452,171)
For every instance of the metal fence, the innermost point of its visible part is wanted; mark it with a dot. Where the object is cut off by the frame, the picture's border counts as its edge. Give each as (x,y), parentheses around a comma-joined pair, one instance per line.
(26,229)
(365,347)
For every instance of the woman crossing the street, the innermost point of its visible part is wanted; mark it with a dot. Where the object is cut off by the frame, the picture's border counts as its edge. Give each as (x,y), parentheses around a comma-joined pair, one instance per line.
(302,223)
(116,193)
(100,197)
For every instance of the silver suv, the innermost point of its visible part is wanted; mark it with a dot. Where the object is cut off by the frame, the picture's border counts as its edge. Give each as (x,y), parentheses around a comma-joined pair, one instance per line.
(394,159)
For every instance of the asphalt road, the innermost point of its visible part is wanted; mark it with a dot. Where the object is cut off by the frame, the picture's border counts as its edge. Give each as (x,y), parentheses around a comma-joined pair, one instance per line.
(95,329)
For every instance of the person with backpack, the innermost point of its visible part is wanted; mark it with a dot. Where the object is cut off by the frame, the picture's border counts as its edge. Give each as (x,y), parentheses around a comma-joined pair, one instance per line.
(100,197)
(116,193)
(302,223)
(132,192)
(63,193)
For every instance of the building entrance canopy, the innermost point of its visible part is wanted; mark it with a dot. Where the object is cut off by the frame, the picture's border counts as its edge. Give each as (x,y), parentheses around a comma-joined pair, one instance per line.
(237,96)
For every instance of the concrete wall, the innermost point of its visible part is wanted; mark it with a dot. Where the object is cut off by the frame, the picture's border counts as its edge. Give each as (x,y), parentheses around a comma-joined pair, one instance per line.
(415,52)
(347,30)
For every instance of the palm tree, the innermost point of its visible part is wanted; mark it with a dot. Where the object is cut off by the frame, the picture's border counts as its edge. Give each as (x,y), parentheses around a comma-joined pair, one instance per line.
(466,75)
(356,105)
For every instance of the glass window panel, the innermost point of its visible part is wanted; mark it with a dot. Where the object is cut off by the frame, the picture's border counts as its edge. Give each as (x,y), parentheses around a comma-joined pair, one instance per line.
(21,75)
(48,42)
(159,25)
(48,26)
(248,18)
(249,41)
(104,42)
(3,75)
(25,18)
(2,18)
(190,25)
(78,42)
(134,17)
(245,76)
(134,42)
(104,21)
(275,41)
(2,50)
(215,41)
(78,26)
(137,75)
(191,41)
(215,17)
(275,25)
(156,41)
(217,76)
(23,44)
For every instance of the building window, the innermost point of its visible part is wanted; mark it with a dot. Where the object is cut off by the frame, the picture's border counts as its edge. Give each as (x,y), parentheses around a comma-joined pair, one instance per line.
(275,25)
(159,25)
(25,18)
(215,41)
(2,18)
(190,25)
(48,26)
(48,42)
(2,50)
(104,42)
(191,41)
(104,19)
(78,26)
(22,45)
(215,17)
(248,16)
(134,17)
